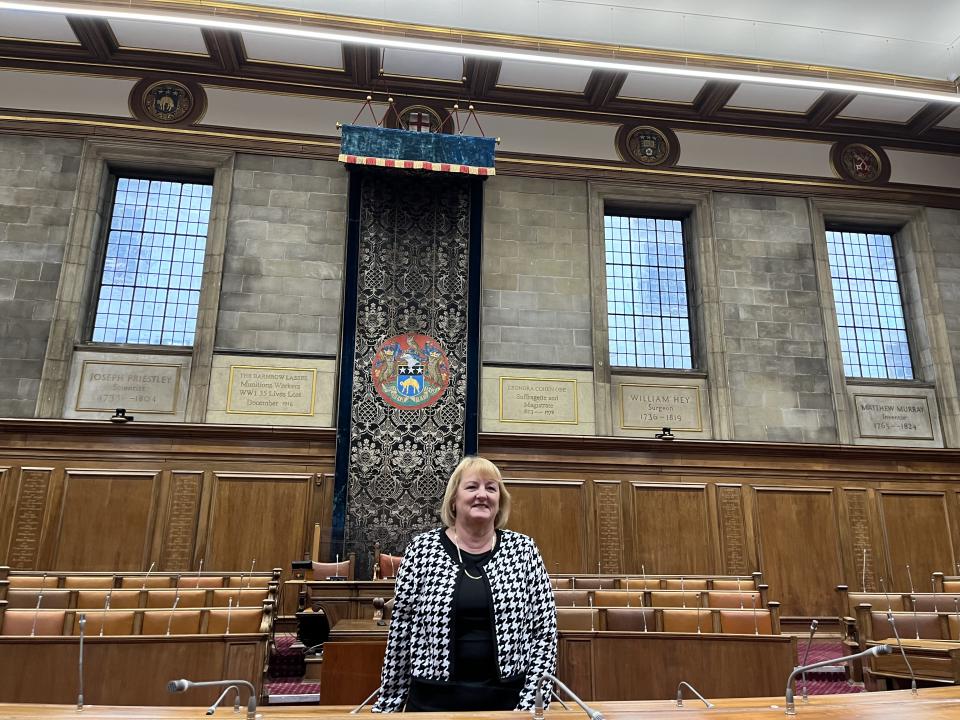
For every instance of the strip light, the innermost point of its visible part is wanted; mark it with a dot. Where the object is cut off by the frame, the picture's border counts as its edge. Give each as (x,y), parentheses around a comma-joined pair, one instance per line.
(485,53)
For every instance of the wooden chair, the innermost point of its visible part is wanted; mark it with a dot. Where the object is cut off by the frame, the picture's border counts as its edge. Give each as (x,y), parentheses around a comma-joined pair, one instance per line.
(617,598)
(738,585)
(742,601)
(675,598)
(146,582)
(33,581)
(241,620)
(641,583)
(113,622)
(119,599)
(686,620)
(165,598)
(387,565)
(684,584)
(248,581)
(932,602)
(324,571)
(27,598)
(632,619)
(594,583)
(180,622)
(572,598)
(31,622)
(746,622)
(558,583)
(577,619)
(88,582)
(909,625)
(241,597)
(195,582)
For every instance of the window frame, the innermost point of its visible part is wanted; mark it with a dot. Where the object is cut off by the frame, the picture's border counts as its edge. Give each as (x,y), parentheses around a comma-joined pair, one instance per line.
(109,200)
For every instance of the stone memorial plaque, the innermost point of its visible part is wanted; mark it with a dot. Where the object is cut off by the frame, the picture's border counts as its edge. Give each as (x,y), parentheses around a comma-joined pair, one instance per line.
(652,407)
(538,400)
(271,391)
(892,416)
(136,387)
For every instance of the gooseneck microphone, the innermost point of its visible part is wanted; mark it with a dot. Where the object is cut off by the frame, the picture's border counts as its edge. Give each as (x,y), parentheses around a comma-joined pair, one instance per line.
(903,654)
(691,688)
(538,702)
(83,624)
(806,654)
(871,652)
(182,685)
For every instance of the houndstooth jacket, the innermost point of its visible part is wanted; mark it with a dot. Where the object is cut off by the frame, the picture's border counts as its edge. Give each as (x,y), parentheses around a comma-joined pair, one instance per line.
(421,630)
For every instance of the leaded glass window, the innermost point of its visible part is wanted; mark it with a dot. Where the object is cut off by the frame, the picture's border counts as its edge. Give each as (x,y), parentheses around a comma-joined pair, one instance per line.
(150,286)
(873,334)
(647,311)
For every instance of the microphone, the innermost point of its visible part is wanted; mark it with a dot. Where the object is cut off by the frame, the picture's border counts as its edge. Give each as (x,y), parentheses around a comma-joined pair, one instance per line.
(871,652)
(83,624)
(806,653)
(694,691)
(933,588)
(182,685)
(147,576)
(538,702)
(369,697)
(36,610)
(683,593)
(253,564)
(910,579)
(863,575)
(753,602)
(236,701)
(739,594)
(229,611)
(699,603)
(903,654)
(103,615)
(176,601)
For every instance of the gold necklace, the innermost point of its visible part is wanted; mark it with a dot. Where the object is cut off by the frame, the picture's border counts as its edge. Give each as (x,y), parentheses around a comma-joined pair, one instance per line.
(456,541)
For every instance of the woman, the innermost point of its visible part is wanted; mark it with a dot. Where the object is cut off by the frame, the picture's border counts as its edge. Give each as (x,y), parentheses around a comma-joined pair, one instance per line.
(474,620)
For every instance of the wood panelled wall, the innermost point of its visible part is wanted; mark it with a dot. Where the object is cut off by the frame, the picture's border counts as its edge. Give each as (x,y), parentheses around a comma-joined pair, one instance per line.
(92,496)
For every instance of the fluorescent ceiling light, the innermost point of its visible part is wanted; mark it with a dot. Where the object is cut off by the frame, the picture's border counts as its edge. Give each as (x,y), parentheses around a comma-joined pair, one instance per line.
(488,53)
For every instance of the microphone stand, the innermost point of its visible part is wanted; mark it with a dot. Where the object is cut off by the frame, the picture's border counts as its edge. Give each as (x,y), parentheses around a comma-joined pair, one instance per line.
(178,686)
(903,654)
(538,702)
(791,708)
(694,691)
(236,701)
(806,653)
(83,624)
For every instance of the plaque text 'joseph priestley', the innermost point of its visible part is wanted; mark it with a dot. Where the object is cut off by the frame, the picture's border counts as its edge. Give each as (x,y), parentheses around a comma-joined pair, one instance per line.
(538,400)
(140,387)
(652,407)
(884,416)
(271,391)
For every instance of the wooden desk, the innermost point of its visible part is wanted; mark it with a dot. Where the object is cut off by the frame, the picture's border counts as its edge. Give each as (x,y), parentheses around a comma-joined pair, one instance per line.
(340,599)
(934,661)
(932,704)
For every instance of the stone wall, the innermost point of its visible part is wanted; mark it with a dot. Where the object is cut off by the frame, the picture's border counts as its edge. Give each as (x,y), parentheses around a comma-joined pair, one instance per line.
(536,273)
(772,325)
(283,266)
(944,228)
(38,179)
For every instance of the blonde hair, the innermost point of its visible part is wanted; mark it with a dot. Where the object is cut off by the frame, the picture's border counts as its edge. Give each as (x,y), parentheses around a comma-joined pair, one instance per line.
(487,471)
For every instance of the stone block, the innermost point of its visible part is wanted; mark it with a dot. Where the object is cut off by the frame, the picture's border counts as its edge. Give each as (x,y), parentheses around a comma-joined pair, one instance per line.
(773,330)
(258,321)
(272,181)
(277,341)
(740,328)
(501,316)
(281,304)
(298,323)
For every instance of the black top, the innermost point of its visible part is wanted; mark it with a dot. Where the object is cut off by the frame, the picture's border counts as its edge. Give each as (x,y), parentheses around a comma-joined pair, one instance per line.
(474,648)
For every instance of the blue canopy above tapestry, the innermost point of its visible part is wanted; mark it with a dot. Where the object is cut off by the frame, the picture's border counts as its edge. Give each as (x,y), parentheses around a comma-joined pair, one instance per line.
(409,150)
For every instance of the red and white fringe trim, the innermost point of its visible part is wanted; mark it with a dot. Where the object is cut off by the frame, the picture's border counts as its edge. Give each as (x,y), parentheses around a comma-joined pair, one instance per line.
(416,165)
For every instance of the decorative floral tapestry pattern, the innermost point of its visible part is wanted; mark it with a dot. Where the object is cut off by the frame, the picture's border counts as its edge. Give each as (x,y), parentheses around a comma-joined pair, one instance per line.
(412,281)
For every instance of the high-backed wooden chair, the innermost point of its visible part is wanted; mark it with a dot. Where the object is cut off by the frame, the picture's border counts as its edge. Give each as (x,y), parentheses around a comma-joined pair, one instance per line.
(248,581)
(879,601)
(242,597)
(738,585)
(632,619)
(33,581)
(387,565)
(617,598)
(241,620)
(577,619)
(686,620)
(119,599)
(594,583)
(323,570)
(953,626)
(180,622)
(146,582)
(746,622)
(932,602)
(88,581)
(684,584)
(674,598)
(114,622)
(27,598)
(165,598)
(633,583)
(30,622)
(572,598)
(909,625)
(742,600)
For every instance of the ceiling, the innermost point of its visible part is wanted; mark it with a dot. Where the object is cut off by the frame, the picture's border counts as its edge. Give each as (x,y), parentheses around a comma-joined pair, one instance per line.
(863,42)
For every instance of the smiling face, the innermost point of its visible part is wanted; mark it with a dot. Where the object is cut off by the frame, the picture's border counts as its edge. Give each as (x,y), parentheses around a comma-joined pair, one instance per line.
(477,500)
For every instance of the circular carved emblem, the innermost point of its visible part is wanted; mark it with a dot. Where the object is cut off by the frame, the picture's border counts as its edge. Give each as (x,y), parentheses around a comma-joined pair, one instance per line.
(648,145)
(167,101)
(410,371)
(860,162)
(419,118)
